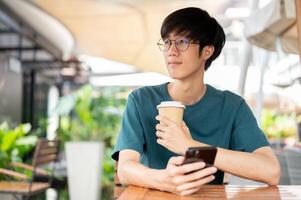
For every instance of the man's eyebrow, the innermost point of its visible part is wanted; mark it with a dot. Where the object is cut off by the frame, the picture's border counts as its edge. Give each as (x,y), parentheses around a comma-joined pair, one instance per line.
(182,34)
(176,35)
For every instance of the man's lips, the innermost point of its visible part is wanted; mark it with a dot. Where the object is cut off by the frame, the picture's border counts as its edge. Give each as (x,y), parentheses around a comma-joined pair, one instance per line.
(174,63)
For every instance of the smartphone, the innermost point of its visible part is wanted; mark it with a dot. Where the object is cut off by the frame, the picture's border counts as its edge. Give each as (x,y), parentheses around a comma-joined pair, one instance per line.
(196,154)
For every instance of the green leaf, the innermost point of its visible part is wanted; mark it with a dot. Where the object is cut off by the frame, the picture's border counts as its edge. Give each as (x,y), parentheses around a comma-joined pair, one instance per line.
(22,129)
(30,140)
(8,141)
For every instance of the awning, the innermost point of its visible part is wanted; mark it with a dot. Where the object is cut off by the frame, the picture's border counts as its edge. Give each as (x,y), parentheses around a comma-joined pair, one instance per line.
(38,26)
(125,30)
(274,24)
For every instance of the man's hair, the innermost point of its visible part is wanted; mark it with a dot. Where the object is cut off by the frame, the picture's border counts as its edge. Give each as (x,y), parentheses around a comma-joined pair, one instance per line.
(197,25)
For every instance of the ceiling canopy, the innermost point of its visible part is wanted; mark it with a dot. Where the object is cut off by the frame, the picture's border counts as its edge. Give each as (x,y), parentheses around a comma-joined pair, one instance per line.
(124,30)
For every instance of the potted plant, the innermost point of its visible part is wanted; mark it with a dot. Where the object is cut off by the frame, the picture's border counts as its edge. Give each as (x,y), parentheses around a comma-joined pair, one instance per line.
(87,127)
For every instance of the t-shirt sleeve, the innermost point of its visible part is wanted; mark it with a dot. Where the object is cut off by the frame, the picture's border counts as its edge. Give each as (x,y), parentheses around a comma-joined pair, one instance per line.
(131,132)
(246,135)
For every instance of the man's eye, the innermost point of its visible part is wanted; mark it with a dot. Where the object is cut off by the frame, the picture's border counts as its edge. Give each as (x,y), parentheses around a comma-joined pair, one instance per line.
(183,41)
(166,42)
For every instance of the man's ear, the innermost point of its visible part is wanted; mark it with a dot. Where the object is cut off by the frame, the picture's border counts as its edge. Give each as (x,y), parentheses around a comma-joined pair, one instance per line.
(207,51)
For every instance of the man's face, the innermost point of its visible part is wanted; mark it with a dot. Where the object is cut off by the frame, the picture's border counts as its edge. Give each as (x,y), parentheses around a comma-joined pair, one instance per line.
(183,64)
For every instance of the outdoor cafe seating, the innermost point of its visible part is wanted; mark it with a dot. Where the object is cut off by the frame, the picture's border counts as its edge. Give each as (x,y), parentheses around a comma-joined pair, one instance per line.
(67,67)
(22,186)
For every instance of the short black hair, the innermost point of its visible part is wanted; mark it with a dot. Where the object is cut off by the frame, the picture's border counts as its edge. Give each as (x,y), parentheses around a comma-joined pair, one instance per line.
(197,25)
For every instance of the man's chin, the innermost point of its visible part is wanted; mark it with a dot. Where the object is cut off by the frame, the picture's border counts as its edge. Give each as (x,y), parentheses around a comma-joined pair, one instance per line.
(176,76)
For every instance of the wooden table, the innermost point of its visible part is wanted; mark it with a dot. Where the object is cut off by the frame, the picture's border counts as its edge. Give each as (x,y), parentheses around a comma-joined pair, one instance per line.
(291,192)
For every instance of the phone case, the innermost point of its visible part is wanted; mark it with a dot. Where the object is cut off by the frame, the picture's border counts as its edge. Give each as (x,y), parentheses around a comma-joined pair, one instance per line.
(196,154)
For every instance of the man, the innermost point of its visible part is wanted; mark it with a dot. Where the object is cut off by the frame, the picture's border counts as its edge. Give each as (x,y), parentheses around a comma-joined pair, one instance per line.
(150,148)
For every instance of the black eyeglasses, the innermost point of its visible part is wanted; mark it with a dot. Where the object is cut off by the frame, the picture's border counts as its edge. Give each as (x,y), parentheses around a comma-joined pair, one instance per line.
(181,44)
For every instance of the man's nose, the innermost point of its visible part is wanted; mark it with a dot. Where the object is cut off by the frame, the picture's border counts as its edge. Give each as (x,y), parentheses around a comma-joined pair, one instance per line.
(173,49)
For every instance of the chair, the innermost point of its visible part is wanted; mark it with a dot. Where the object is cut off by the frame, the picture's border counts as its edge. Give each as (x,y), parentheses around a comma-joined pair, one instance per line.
(118,187)
(293,156)
(46,152)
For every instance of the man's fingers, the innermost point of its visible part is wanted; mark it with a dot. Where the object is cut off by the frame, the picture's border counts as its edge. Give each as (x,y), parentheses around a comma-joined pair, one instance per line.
(195,184)
(198,174)
(184,169)
(176,160)
(189,192)
(164,120)
(161,142)
(201,174)
(163,128)
(159,134)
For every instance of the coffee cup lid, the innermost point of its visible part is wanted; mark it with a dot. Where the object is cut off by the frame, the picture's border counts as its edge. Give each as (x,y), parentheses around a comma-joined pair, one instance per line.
(170,104)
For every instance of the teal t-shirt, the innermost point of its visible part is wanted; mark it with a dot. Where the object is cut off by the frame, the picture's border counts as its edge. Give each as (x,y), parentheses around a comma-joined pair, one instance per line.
(220,118)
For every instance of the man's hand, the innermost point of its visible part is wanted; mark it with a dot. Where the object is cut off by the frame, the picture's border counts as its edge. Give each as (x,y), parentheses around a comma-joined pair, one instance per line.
(185,179)
(174,137)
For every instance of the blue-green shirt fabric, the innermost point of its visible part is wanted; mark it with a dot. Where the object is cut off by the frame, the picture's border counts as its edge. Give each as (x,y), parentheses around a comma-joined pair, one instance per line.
(220,118)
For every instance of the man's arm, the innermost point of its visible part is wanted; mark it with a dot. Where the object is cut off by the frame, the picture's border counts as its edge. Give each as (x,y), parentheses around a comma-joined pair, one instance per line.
(181,180)
(260,165)
(131,172)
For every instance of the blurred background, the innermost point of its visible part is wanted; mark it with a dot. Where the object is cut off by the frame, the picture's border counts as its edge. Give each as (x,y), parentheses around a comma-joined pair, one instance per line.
(67,66)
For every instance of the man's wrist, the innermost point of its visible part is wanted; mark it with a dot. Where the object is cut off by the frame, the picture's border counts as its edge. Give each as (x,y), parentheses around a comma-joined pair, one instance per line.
(193,143)
(190,143)
(158,181)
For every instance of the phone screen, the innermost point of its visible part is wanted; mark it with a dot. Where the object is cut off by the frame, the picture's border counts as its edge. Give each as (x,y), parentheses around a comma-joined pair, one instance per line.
(196,154)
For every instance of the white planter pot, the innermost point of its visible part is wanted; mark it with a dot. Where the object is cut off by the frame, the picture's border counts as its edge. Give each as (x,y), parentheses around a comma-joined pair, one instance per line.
(84,169)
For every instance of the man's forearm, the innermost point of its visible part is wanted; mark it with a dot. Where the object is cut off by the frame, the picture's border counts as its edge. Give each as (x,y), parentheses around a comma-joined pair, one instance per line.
(134,173)
(253,166)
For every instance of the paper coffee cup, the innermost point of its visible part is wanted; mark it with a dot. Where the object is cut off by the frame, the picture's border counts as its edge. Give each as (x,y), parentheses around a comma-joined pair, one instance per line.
(173,110)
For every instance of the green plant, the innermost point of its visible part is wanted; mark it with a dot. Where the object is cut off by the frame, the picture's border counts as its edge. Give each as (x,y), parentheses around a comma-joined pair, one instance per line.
(89,115)
(15,143)
(41,130)
(279,126)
